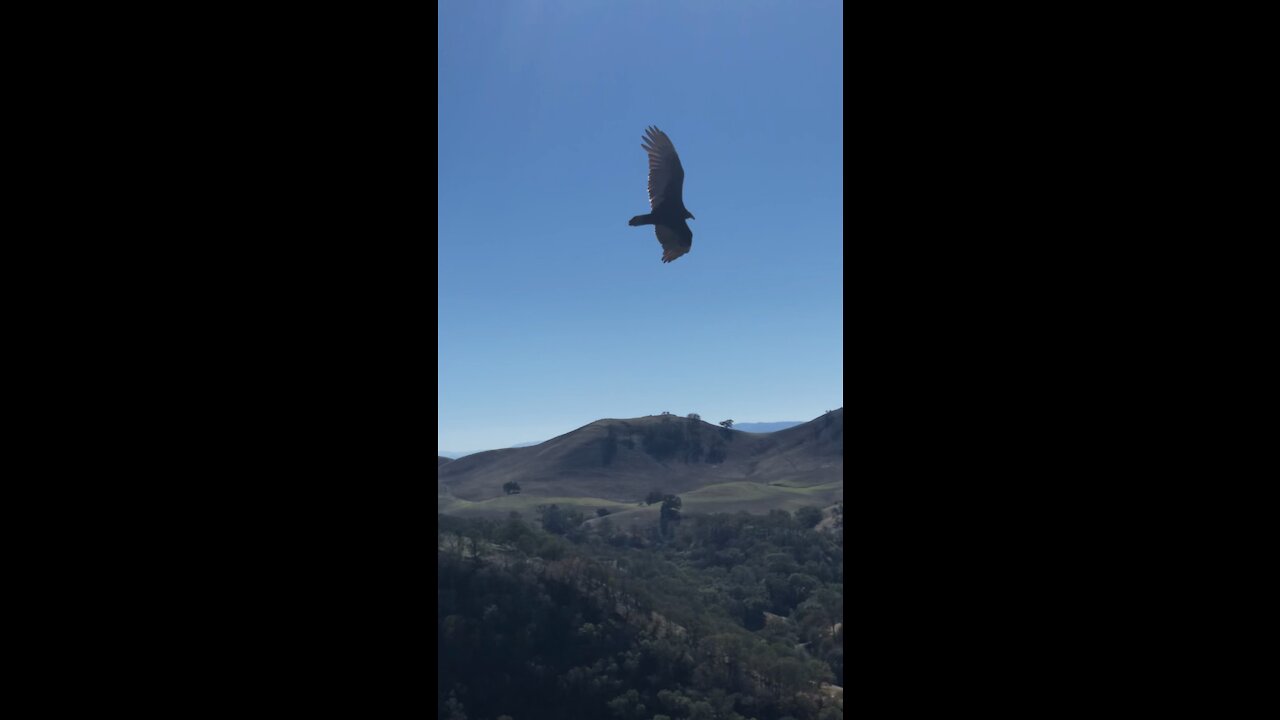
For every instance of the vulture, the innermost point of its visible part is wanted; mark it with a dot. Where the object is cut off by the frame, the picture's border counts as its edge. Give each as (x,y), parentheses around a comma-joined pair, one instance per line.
(666,202)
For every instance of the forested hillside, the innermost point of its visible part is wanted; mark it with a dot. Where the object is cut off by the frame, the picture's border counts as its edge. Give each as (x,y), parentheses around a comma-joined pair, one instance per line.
(734,617)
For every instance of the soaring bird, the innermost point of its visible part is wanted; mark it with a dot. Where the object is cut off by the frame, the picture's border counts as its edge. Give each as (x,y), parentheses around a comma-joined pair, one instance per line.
(666,202)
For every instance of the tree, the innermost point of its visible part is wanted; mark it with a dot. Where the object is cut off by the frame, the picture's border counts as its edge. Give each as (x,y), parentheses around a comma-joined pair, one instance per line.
(701,710)
(627,705)
(553,519)
(670,514)
(561,521)
(455,708)
(808,516)
(511,488)
(694,416)
(802,586)
(653,497)
(673,702)
(671,506)
(726,424)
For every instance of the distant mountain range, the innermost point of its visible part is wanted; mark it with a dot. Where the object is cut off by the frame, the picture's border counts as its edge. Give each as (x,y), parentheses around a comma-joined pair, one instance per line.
(766,427)
(745,427)
(614,463)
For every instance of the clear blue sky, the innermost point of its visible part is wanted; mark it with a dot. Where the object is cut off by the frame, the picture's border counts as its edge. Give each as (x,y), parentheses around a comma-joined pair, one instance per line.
(553,311)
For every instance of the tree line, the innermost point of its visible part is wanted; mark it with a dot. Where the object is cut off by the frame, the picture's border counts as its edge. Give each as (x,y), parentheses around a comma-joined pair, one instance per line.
(737,617)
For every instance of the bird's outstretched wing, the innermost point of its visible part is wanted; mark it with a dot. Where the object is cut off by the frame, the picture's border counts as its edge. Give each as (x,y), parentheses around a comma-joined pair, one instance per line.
(676,241)
(666,175)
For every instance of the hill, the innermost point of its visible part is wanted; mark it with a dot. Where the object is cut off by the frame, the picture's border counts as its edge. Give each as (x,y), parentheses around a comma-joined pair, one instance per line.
(614,463)
(745,427)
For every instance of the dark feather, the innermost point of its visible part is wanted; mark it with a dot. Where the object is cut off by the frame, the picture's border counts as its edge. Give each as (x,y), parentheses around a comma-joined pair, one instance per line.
(666,196)
(676,240)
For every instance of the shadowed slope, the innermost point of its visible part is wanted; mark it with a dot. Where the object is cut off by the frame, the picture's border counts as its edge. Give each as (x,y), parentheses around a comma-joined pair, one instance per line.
(621,460)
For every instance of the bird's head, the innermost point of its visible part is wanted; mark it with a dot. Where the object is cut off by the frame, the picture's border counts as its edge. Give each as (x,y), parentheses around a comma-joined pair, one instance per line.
(689,215)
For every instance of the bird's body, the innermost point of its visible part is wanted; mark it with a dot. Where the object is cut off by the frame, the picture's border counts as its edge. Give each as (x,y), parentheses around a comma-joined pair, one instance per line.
(666,197)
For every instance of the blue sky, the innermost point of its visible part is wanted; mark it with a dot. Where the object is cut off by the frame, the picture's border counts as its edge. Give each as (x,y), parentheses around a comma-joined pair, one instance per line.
(553,312)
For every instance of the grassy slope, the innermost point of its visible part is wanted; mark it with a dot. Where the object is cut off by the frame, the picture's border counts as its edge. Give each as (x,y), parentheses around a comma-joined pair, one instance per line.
(788,470)
(726,497)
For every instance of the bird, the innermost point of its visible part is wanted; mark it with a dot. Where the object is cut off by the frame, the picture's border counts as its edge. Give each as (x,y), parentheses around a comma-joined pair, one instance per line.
(666,196)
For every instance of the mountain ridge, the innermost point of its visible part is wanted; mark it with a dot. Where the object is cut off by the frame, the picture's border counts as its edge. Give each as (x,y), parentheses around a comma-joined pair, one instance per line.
(751,427)
(618,461)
